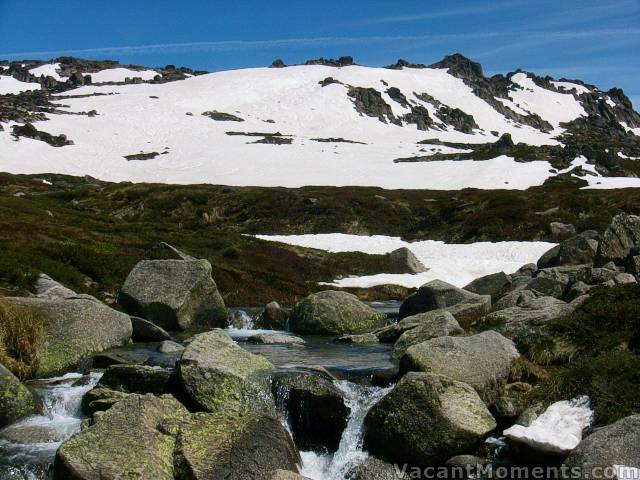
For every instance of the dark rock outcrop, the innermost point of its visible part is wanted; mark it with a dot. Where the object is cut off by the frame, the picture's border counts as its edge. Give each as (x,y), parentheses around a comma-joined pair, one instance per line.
(316,409)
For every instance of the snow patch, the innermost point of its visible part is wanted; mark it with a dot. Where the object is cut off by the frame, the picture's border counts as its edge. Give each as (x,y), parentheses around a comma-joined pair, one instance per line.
(635,131)
(580,89)
(120,74)
(457,264)
(48,70)
(11,85)
(559,429)
(622,155)
(552,106)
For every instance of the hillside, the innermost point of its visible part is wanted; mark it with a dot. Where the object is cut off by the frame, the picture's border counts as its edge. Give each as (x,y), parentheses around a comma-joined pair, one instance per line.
(329,122)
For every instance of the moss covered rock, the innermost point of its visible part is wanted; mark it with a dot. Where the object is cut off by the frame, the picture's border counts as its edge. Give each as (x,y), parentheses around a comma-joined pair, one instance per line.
(75,326)
(426,419)
(242,446)
(100,399)
(482,361)
(16,400)
(126,441)
(218,375)
(174,294)
(315,407)
(334,313)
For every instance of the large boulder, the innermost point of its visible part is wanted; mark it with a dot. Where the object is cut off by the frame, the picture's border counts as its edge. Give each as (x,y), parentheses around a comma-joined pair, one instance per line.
(495,284)
(273,317)
(75,325)
(334,313)
(316,409)
(608,447)
(440,295)
(530,313)
(218,375)
(426,419)
(126,441)
(17,400)
(433,324)
(482,361)
(619,238)
(577,250)
(174,294)
(239,446)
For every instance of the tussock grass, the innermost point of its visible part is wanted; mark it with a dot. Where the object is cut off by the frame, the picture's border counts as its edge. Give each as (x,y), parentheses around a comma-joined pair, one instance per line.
(21,340)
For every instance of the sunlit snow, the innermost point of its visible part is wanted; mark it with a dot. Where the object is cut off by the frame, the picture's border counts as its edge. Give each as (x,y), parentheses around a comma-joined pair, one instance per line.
(11,85)
(559,429)
(457,264)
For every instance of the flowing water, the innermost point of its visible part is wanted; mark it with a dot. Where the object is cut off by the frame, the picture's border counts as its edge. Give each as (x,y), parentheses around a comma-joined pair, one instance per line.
(336,466)
(27,448)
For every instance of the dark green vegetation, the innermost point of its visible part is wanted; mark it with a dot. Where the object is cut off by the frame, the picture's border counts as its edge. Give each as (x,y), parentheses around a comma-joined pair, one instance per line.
(88,234)
(594,352)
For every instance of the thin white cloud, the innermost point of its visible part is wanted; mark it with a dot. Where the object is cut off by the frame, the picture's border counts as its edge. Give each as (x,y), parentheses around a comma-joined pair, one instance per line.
(238,45)
(436,14)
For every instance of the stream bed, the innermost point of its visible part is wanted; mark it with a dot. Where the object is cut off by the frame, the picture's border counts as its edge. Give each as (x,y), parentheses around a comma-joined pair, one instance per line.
(27,448)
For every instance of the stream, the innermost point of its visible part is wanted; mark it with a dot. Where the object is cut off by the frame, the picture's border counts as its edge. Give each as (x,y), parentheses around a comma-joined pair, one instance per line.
(27,448)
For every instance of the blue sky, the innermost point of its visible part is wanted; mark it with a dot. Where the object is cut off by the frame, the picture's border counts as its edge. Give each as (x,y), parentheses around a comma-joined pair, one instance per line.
(597,41)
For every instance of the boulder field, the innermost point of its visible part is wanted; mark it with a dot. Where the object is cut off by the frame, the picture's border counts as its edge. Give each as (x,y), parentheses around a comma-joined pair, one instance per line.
(215,410)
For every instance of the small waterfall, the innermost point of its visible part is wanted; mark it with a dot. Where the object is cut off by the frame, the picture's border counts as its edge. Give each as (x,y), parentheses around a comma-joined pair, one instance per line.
(240,320)
(359,399)
(27,447)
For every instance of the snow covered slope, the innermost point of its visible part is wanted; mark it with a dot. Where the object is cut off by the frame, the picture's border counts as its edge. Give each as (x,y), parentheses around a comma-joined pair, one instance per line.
(323,126)
(457,264)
